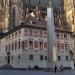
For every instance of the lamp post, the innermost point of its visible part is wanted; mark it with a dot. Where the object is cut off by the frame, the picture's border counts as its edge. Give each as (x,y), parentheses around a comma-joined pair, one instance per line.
(51,36)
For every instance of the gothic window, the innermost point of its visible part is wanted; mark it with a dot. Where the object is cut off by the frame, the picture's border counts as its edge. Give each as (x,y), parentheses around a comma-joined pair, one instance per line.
(15,45)
(19,43)
(40,33)
(66,46)
(13,17)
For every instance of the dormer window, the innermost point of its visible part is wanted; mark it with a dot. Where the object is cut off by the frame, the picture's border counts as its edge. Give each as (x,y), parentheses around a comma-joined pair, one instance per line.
(32,22)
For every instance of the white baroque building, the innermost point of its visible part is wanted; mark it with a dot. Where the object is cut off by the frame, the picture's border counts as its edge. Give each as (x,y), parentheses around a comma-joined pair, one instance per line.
(26,45)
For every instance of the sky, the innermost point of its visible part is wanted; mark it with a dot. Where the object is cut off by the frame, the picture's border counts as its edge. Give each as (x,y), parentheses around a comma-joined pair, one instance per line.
(43,2)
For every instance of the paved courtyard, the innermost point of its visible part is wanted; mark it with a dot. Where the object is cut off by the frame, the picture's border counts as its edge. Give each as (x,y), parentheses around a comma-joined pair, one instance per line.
(17,72)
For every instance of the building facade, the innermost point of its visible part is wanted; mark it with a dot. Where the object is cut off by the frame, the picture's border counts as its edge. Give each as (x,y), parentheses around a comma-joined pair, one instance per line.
(26,46)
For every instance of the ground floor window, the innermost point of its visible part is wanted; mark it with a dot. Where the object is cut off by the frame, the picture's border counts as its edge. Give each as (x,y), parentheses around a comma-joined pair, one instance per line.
(66,58)
(41,57)
(59,58)
(30,57)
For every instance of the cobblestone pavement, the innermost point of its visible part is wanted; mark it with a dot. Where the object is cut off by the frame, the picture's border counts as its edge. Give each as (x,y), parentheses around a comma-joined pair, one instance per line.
(17,72)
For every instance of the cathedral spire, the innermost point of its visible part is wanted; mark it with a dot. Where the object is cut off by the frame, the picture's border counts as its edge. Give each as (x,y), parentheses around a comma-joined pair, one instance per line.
(37,8)
(27,10)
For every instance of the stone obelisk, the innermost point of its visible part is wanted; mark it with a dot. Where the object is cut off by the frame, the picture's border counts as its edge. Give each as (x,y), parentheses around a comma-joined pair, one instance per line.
(51,35)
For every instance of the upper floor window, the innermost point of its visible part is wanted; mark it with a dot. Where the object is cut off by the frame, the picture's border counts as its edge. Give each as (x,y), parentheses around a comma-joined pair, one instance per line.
(19,31)
(15,33)
(41,57)
(23,45)
(31,44)
(26,32)
(40,33)
(41,45)
(61,36)
(66,47)
(15,45)
(9,47)
(9,36)
(68,36)
(30,33)
(57,36)
(58,46)
(65,36)
(6,48)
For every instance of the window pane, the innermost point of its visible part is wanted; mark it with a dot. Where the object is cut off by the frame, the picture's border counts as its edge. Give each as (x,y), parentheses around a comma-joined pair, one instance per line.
(41,45)
(59,58)
(45,57)
(31,44)
(58,46)
(23,45)
(66,58)
(31,57)
(30,32)
(41,57)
